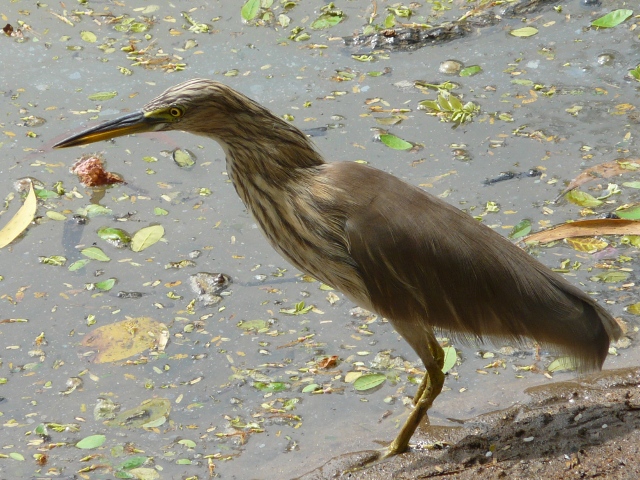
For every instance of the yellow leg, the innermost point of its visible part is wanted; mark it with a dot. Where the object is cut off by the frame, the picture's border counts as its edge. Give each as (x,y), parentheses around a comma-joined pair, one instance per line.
(429,389)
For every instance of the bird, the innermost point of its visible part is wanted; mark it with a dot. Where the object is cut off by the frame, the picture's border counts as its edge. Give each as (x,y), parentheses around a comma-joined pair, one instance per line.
(388,246)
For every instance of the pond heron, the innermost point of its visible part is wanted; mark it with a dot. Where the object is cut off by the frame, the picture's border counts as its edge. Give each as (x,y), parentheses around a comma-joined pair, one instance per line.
(386,245)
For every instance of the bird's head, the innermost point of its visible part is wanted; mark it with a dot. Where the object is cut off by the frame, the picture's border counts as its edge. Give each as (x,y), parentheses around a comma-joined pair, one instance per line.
(198,106)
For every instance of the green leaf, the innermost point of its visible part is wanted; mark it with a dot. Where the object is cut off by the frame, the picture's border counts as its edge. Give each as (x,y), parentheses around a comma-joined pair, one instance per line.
(450,358)
(115,236)
(90,442)
(78,264)
(160,211)
(312,387)
(631,184)
(369,381)
(187,443)
(583,199)
(145,237)
(106,285)
(95,210)
(470,71)
(95,253)
(56,216)
(521,229)
(101,96)
(133,462)
(394,142)
(88,37)
(256,325)
(562,364)
(632,213)
(326,20)
(270,386)
(612,19)
(250,10)
(524,32)
(610,277)
(17,456)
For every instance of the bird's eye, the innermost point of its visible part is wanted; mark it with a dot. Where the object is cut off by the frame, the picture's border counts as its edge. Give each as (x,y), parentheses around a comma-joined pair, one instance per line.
(175,112)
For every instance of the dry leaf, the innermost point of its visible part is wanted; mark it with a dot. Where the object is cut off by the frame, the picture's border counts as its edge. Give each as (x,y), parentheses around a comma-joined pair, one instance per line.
(586,228)
(21,220)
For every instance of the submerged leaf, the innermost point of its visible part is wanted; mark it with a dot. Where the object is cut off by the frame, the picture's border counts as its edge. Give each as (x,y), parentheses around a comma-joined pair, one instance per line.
(124,339)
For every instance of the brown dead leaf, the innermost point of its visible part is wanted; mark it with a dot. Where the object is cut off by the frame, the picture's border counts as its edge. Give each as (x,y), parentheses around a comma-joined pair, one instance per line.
(604,170)
(586,228)
(328,362)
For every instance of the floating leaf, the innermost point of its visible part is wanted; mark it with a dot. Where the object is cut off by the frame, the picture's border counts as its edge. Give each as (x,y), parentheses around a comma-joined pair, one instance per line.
(95,253)
(160,211)
(187,443)
(524,32)
(20,221)
(88,37)
(106,285)
(632,213)
(470,71)
(115,236)
(394,142)
(521,229)
(92,441)
(184,158)
(17,456)
(133,462)
(612,19)
(583,199)
(54,260)
(271,386)
(610,277)
(450,358)
(94,210)
(631,184)
(369,381)
(351,377)
(56,216)
(101,96)
(145,237)
(587,228)
(634,309)
(254,325)
(562,364)
(250,10)
(312,387)
(124,339)
(586,244)
(327,20)
(78,264)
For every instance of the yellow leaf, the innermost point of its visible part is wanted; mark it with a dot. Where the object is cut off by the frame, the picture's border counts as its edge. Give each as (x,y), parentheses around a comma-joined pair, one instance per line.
(20,221)
(586,244)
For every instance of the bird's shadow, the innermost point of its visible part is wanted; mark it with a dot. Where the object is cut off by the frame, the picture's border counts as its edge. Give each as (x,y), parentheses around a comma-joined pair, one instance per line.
(563,418)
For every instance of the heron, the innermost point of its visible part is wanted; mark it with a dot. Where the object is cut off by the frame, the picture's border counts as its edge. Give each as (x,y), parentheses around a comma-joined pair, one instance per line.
(388,246)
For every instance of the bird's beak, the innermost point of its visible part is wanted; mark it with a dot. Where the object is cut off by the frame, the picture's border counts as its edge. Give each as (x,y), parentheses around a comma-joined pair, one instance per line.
(137,122)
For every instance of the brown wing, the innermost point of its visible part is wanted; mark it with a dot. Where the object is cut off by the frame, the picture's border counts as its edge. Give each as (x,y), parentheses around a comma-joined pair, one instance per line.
(424,261)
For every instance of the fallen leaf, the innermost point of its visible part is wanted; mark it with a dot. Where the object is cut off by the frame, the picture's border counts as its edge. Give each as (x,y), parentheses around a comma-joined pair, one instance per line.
(586,228)
(20,221)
